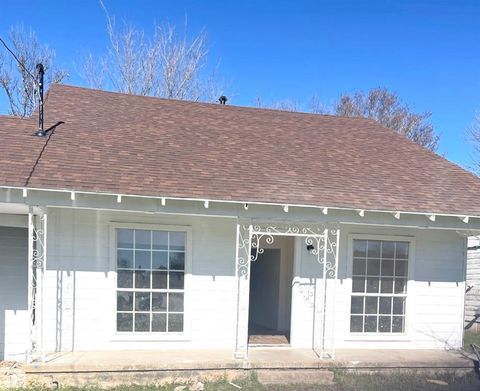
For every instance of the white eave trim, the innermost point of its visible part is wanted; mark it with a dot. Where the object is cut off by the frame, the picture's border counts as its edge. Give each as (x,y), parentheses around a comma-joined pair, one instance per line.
(245,203)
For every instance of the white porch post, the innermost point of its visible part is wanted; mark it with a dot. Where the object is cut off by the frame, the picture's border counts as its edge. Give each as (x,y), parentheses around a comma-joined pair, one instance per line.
(37,251)
(324,328)
(335,282)
(31,285)
(319,303)
(43,268)
(243,257)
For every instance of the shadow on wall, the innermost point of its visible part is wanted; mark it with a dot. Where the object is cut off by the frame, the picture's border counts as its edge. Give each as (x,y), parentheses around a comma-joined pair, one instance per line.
(13,289)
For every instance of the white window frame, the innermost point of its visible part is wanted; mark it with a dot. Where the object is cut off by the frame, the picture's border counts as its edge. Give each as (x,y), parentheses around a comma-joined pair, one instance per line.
(409,304)
(185,335)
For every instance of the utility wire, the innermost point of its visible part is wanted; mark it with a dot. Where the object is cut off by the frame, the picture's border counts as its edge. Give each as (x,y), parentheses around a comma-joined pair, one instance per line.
(18,61)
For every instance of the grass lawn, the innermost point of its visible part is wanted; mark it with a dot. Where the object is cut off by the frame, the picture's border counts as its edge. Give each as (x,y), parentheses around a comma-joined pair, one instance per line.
(343,382)
(470,338)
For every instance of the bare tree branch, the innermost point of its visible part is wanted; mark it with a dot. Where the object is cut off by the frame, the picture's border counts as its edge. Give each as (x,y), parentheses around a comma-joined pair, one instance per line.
(213,87)
(168,64)
(16,79)
(379,104)
(284,104)
(474,133)
(318,107)
(181,61)
(387,108)
(93,71)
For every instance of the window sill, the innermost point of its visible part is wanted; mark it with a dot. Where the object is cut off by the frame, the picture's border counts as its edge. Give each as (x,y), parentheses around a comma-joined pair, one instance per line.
(151,337)
(379,337)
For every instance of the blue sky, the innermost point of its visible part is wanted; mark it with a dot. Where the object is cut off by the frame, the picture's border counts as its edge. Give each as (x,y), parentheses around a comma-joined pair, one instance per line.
(427,51)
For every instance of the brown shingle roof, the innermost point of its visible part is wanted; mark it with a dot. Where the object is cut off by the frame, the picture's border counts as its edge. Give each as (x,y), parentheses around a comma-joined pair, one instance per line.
(112,142)
(19,149)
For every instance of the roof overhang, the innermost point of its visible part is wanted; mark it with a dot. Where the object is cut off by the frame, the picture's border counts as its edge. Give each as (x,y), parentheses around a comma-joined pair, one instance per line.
(234,208)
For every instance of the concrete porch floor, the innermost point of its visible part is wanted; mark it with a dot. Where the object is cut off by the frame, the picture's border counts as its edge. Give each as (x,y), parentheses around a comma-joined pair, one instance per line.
(259,358)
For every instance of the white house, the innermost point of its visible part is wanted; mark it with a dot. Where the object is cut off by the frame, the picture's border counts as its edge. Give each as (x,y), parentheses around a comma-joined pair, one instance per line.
(139,223)
(472,292)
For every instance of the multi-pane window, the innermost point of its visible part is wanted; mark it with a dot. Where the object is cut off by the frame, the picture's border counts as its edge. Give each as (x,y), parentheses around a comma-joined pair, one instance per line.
(150,280)
(379,286)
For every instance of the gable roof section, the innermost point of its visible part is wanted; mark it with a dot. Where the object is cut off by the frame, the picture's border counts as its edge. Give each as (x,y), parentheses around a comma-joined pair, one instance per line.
(136,145)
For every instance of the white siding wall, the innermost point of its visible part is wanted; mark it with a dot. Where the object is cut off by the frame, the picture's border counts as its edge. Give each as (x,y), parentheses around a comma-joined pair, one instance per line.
(472,297)
(13,293)
(306,273)
(435,294)
(80,278)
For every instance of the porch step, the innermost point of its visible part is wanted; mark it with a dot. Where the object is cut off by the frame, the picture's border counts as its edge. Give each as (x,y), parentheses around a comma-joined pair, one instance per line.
(268,346)
(295,376)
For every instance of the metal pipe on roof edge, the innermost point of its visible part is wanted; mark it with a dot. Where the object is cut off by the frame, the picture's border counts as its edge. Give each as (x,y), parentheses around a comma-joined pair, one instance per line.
(164,198)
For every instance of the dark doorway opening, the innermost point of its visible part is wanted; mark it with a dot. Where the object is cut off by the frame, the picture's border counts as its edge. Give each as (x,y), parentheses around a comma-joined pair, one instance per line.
(270,298)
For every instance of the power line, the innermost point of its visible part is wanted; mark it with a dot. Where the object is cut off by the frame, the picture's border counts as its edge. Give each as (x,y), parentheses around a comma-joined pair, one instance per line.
(16,59)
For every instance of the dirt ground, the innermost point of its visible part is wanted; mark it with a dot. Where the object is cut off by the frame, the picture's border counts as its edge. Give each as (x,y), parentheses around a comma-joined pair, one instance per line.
(343,382)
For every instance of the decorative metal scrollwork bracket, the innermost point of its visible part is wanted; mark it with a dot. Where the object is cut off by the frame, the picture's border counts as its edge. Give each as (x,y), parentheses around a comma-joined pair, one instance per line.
(37,225)
(252,238)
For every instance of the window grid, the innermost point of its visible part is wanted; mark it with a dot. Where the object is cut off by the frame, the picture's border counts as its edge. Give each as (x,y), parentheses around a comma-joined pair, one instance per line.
(382,310)
(171,306)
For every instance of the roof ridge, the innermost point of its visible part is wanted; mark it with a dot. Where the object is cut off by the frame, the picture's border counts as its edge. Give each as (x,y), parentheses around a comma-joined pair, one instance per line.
(205,104)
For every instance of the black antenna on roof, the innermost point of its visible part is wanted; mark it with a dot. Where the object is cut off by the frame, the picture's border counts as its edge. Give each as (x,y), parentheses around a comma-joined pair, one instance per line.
(40,74)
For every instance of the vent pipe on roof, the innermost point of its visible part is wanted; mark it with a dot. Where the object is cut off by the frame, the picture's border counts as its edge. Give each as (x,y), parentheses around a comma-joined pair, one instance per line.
(40,73)
(223,99)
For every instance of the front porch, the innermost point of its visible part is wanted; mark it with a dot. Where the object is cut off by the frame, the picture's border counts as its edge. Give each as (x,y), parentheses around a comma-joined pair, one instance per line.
(286,366)
(259,358)
(63,313)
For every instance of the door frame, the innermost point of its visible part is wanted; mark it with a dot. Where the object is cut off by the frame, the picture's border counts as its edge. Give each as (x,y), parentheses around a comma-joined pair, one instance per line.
(282,318)
(325,241)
